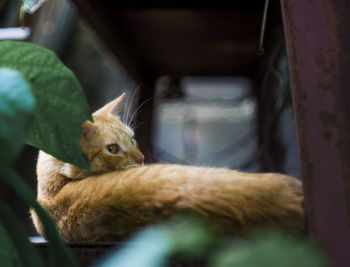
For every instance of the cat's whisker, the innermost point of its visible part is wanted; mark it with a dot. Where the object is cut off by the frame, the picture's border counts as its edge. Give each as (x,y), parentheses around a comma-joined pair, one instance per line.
(135,112)
(136,126)
(127,121)
(78,175)
(130,106)
(126,106)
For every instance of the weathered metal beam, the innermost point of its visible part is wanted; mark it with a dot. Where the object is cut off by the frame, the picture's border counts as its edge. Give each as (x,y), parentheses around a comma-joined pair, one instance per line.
(318,44)
(106,25)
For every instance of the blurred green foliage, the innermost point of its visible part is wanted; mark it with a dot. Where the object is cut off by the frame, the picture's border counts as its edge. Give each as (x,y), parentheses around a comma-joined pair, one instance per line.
(272,248)
(60,104)
(21,251)
(191,240)
(8,253)
(16,110)
(41,102)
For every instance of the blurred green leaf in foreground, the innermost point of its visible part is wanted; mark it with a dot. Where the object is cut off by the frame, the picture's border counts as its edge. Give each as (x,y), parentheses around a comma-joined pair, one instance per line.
(189,238)
(16,110)
(272,248)
(16,118)
(60,104)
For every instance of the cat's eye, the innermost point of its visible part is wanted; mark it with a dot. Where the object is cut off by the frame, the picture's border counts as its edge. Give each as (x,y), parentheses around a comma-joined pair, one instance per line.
(133,141)
(113,148)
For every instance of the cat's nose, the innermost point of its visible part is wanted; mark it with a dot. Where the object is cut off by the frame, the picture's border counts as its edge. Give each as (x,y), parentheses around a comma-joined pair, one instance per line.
(140,160)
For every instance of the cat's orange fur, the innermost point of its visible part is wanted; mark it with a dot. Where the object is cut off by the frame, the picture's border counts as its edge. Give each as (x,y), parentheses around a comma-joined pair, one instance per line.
(120,195)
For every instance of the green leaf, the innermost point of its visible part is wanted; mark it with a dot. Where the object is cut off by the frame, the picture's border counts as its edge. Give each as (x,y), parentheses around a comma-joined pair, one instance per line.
(8,254)
(61,106)
(185,233)
(270,249)
(189,234)
(16,106)
(16,109)
(28,255)
(149,248)
(60,255)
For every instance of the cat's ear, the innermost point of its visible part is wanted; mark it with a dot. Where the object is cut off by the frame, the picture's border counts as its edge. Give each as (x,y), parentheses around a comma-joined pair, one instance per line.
(112,108)
(88,129)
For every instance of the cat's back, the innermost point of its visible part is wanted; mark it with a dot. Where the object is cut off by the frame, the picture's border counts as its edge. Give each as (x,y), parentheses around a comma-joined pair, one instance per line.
(232,201)
(197,177)
(181,178)
(190,185)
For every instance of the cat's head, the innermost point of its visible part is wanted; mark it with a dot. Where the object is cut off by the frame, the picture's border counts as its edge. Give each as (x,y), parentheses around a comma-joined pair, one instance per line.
(107,142)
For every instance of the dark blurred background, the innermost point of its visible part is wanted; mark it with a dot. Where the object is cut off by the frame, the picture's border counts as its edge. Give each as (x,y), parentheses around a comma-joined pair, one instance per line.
(211,100)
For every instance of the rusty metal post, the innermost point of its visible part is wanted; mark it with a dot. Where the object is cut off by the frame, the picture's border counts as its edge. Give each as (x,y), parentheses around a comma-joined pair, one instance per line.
(318,44)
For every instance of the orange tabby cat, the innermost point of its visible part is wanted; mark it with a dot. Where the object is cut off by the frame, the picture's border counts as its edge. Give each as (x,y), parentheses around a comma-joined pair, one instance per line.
(120,195)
